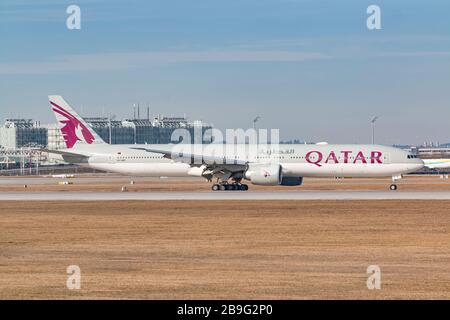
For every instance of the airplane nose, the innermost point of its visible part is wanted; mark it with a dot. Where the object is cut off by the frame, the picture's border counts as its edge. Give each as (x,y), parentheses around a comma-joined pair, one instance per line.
(419,164)
(415,165)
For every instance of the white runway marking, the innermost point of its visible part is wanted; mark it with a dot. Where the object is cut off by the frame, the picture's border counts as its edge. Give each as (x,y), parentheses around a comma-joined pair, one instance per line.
(227,195)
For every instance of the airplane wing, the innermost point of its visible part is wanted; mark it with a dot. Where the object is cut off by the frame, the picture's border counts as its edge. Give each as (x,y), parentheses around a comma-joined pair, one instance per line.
(194,159)
(210,166)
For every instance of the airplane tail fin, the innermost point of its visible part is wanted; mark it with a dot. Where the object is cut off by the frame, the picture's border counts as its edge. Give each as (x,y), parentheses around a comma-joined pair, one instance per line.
(74,129)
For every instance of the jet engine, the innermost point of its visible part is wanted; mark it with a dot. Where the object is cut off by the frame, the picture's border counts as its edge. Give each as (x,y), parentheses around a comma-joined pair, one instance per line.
(270,175)
(264,175)
(291,181)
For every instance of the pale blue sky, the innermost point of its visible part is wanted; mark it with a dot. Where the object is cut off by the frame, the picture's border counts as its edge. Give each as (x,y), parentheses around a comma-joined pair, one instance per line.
(310,68)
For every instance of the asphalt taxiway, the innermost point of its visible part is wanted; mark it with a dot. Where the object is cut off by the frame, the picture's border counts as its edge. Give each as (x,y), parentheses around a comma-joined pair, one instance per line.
(227,195)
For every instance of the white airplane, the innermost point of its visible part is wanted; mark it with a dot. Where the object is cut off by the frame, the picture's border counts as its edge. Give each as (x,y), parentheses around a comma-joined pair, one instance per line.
(437,163)
(268,165)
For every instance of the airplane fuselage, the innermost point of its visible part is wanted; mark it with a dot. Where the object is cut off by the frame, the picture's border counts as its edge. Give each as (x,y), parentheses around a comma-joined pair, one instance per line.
(303,160)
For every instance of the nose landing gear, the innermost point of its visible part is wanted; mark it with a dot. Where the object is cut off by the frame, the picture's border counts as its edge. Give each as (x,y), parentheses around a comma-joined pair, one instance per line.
(393,186)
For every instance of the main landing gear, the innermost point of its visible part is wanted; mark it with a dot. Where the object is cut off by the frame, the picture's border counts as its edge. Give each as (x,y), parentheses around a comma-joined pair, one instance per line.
(393,187)
(229,187)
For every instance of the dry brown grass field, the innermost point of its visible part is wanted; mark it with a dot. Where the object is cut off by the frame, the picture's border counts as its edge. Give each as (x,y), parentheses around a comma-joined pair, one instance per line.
(225,250)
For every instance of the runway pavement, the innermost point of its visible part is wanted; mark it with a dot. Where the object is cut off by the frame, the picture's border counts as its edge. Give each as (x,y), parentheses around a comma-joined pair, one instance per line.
(227,195)
(11,181)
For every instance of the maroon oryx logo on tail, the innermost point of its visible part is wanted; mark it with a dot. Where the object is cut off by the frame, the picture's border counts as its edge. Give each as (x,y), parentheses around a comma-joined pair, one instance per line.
(72,129)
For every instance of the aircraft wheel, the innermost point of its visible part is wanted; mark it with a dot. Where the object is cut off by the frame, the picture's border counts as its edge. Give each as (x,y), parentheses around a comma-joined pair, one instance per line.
(393,187)
(215,187)
(244,187)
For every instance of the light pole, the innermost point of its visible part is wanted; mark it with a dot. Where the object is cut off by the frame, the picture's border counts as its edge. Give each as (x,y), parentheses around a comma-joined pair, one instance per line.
(373,128)
(255,121)
(110,119)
